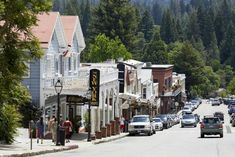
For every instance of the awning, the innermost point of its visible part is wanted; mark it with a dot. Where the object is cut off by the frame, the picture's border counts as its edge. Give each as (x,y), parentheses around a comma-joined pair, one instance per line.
(125,105)
(126,96)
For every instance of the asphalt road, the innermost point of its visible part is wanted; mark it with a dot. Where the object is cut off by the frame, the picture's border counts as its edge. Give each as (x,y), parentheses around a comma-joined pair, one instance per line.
(173,142)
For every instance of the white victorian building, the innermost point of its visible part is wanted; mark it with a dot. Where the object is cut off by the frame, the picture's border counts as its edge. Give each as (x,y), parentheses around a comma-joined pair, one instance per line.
(62,41)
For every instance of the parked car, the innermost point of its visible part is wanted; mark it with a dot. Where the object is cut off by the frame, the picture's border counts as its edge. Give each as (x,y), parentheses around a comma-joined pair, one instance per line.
(188,120)
(197,117)
(211,125)
(165,120)
(199,100)
(195,103)
(231,110)
(187,110)
(157,123)
(215,102)
(141,124)
(220,115)
(232,119)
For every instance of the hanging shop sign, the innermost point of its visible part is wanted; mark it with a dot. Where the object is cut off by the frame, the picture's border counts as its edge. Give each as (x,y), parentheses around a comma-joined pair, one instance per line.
(94,86)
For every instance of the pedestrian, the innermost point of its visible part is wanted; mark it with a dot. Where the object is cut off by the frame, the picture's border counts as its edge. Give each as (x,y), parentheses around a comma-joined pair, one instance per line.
(68,129)
(40,130)
(52,128)
(122,124)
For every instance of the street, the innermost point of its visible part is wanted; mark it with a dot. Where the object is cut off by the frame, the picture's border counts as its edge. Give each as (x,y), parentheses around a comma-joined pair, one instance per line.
(173,142)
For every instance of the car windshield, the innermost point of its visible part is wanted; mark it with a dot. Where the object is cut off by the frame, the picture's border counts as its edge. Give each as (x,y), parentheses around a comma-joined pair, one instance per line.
(156,119)
(140,119)
(211,120)
(188,116)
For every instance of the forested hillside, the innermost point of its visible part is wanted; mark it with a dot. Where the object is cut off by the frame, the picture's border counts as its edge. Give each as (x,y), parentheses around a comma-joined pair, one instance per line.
(197,36)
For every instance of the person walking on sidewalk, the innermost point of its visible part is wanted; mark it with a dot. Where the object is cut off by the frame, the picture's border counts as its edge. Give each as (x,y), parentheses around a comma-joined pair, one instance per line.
(52,128)
(40,130)
(68,129)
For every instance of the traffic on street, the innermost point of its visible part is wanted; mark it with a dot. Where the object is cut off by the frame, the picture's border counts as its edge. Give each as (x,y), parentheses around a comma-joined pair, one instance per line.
(177,141)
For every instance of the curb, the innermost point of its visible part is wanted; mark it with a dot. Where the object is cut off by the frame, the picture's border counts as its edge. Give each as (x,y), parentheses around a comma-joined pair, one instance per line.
(42,151)
(110,139)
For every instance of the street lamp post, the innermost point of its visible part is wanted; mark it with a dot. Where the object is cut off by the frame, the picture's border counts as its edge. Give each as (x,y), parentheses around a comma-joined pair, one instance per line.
(129,109)
(88,96)
(139,107)
(58,89)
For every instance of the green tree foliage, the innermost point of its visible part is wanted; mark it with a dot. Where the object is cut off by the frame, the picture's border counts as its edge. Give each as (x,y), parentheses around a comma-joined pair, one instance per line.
(9,121)
(231,87)
(168,27)
(157,13)
(189,62)
(146,26)
(105,48)
(115,19)
(17,47)
(155,51)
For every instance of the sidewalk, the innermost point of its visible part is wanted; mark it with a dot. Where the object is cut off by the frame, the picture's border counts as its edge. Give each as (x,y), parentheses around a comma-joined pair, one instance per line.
(21,146)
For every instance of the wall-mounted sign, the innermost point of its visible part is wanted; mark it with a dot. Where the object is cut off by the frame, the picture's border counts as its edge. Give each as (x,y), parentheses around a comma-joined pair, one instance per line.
(76,99)
(95,86)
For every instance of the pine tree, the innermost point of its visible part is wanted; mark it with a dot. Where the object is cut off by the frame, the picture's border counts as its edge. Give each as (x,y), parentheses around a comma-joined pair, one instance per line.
(115,19)
(86,18)
(157,13)
(146,26)
(167,27)
(156,51)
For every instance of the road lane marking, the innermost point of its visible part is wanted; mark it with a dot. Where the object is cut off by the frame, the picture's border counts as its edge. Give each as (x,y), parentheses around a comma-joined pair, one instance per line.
(228,129)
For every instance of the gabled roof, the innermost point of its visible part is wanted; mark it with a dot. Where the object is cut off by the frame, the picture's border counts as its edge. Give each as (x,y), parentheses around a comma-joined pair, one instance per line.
(73,28)
(69,23)
(45,27)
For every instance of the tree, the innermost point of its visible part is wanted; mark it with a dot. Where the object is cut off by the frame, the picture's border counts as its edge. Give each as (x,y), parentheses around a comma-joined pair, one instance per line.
(86,18)
(146,26)
(157,13)
(17,46)
(105,48)
(231,87)
(115,19)
(167,27)
(155,51)
(189,62)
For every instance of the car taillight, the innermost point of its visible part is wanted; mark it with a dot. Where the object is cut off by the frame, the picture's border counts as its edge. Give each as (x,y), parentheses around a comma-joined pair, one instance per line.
(202,125)
(221,126)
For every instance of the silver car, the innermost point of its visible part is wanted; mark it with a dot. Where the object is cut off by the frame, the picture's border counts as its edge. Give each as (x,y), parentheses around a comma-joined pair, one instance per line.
(157,123)
(188,120)
(141,124)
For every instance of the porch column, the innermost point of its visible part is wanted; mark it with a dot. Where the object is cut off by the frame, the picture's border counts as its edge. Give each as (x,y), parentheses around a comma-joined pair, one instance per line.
(103,108)
(108,114)
(113,106)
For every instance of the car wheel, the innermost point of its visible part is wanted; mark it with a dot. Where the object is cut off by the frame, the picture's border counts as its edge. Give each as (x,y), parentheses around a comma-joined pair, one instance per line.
(202,135)
(154,131)
(149,133)
(131,134)
(161,128)
(221,135)
(182,126)
(195,126)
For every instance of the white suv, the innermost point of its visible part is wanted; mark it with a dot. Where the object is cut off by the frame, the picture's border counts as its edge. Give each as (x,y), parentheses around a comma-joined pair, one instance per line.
(141,124)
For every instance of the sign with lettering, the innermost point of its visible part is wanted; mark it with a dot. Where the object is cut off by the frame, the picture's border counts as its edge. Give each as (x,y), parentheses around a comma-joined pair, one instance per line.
(95,86)
(76,99)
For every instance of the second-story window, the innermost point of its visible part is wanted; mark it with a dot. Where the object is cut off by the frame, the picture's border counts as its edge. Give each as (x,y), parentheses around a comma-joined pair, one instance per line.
(144,93)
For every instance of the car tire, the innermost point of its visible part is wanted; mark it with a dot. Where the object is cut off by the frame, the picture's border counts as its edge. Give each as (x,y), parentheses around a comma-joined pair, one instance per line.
(131,134)
(195,126)
(221,135)
(149,133)
(154,131)
(182,126)
(202,135)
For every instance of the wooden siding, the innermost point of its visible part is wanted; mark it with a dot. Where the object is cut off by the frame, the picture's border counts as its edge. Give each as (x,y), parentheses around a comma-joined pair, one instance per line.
(33,82)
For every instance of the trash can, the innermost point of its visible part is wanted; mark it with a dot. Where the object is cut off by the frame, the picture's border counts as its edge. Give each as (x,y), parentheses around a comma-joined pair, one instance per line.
(62,136)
